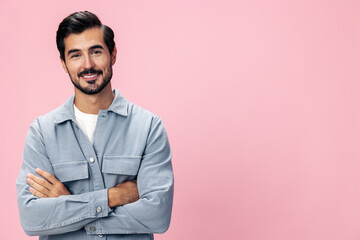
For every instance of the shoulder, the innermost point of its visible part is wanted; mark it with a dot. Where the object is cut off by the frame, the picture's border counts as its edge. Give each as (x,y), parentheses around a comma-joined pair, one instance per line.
(49,117)
(41,125)
(58,115)
(140,112)
(124,107)
(147,121)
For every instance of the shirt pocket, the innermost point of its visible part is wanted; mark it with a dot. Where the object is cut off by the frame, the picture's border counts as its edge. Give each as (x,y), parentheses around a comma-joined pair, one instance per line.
(74,175)
(118,169)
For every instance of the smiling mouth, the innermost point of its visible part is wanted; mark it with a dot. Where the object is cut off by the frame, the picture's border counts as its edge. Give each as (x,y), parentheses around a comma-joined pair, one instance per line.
(90,77)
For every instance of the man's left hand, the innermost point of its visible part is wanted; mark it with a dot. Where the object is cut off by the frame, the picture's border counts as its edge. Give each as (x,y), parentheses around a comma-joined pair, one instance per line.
(45,187)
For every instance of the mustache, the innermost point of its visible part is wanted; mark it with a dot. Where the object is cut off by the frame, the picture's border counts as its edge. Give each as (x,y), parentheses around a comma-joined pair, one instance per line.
(88,71)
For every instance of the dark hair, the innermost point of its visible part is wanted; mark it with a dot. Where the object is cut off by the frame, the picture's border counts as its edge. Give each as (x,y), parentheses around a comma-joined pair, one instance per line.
(77,23)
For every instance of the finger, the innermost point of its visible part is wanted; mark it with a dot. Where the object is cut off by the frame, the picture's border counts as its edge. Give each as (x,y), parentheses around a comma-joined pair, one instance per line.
(46,175)
(37,187)
(37,193)
(40,181)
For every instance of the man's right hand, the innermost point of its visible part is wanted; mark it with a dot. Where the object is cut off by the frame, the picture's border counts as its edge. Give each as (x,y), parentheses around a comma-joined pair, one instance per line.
(123,193)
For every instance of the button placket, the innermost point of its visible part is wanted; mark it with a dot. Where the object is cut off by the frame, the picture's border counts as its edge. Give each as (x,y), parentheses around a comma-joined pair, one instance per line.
(96,180)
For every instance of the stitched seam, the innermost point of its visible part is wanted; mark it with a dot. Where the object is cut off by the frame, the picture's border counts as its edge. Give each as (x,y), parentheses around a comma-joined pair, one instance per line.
(68,163)
(108,156)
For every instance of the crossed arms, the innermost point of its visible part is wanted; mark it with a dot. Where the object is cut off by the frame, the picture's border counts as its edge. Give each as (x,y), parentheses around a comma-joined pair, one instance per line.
(49,186)
(47,208)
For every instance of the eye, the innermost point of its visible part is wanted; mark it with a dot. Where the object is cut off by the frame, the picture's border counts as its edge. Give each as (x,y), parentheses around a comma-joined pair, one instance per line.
(96,52)
(75,55)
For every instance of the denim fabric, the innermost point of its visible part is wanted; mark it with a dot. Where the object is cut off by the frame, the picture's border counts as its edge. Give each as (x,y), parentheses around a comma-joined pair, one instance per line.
(130,143)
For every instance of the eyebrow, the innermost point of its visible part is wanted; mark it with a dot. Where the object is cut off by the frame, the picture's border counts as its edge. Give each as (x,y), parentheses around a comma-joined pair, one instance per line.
(72,51)
(91,48)
(96,46)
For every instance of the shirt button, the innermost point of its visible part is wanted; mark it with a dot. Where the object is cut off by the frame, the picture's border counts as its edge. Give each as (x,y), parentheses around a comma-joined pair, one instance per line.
(92,160)
(98,209)
(93,229)
(100,235)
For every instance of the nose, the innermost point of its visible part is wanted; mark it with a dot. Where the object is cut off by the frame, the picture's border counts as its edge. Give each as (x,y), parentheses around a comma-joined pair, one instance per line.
(88,62)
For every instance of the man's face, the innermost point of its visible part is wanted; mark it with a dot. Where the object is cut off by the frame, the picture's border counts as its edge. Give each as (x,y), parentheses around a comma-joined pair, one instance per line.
(88,61)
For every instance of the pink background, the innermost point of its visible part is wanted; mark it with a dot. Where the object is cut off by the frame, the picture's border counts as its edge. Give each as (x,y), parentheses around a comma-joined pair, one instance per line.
(260,100)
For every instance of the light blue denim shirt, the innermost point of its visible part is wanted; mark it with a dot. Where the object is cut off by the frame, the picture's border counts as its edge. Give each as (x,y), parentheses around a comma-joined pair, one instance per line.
(130,143)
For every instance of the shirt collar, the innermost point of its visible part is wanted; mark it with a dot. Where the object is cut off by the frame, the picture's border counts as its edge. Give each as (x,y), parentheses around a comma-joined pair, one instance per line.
(118,106)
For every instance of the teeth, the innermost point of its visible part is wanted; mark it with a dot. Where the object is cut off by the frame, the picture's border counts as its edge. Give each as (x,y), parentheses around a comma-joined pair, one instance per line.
(91,76)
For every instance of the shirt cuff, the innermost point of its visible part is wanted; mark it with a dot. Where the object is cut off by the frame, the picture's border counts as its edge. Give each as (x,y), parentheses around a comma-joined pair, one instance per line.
(98,208)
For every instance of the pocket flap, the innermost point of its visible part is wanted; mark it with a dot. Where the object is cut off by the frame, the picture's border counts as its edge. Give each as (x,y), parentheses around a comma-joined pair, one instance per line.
(121,165)
(70,171)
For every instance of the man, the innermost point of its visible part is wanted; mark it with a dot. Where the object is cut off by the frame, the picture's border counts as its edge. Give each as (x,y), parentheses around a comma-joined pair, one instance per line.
(98,166)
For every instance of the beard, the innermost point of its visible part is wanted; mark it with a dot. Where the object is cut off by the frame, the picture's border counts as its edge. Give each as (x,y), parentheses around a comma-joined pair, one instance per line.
(92,87)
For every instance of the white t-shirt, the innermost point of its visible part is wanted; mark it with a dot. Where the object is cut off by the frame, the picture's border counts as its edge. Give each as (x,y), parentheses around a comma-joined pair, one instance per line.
(86,122)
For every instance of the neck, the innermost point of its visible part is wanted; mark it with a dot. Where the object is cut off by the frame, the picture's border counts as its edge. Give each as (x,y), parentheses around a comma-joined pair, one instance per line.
(92,104)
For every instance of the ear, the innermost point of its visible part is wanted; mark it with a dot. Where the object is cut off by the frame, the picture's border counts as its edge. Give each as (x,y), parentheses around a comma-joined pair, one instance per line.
(64,65)
(113,56)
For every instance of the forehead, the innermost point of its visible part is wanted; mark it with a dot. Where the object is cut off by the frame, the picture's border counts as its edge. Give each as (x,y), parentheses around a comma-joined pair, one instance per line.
(84,40)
